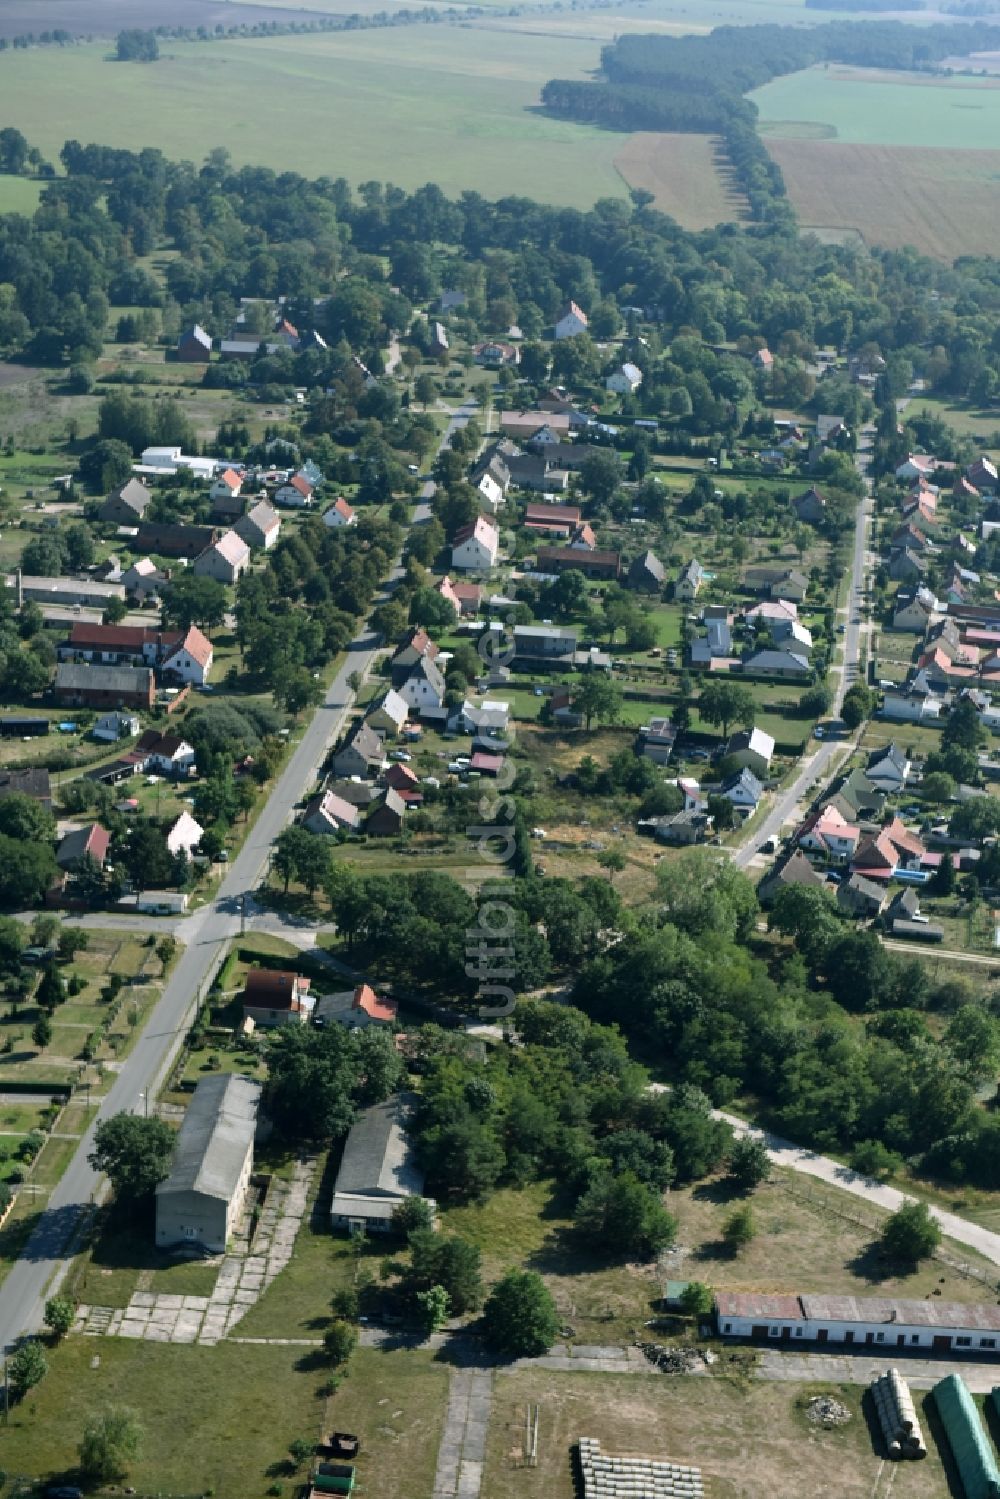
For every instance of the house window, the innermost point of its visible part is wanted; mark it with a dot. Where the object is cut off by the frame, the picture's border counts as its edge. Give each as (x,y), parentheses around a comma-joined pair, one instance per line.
(728,1327)
(798,1332)
(880,1337)
(914,1337)
(774,1332)
(963,1342)
(987,1342)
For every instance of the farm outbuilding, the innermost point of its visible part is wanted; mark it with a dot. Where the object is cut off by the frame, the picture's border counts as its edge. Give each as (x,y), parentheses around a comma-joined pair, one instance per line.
(970,1446)
(872,1321)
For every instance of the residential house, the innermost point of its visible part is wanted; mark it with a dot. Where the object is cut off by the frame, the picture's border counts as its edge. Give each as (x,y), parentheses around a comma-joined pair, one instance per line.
(903,706)
(402,779)
(744,791)
(160,461)
(982,474)
(170,540)
(464,598)
(906,566)
(185,835)
(190,659)
(796,870)
(260,527)
(776,615)
(910,850)
(451,299)
(194,345)
(689,581)
(595,564)
(103,686)
(378,1168)
(295,494)
(495,355)
(523,425)
(777,583)
(538,472)
(856,797)
(625,381)
(385,820)
(776,663)
(572,320)
(438,343)
(166,754)
(829,836)
(763,360)
(916,466)
(329,813)
(275,997)
(810,507)
(111,727)
(657,739)
(356,793)
(424,687)
(914,613)
(355,1009)
(552,520)
(583,538)
(126,505)
(492,479)
(686,827)
(225,560)
(33,782)
(202,1199)
(647,573)
(537,646)
(860,896)
(144,580)
(361,755)
(340,514)
(829,429)
(751,747)
(715,646)
(90,842)
(475,546)
(904,906)
(492,717)
(415,644)
(226,486)
(888,769)
(388,714)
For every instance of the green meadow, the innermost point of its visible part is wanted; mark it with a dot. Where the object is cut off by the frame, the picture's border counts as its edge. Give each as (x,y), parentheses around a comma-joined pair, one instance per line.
(407,105)
(871,108)
(18,194)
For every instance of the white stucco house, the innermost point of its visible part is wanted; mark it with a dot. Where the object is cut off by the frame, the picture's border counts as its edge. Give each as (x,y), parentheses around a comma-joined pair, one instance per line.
(476,545)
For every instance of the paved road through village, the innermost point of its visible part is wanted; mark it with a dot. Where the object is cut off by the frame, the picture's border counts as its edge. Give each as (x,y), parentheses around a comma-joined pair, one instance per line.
(205,935)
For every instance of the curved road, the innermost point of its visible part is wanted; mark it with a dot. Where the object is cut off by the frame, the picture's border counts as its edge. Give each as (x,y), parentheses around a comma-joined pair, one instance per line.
(206,935)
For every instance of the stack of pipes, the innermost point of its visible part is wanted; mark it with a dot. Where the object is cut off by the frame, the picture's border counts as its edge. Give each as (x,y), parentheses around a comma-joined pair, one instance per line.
(898,1417)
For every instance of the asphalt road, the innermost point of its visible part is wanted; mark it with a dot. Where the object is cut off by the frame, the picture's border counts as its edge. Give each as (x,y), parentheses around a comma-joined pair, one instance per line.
(816,766)
(206,933)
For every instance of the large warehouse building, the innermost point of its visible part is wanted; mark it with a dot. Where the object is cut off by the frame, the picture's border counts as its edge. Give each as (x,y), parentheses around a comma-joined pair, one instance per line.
(871,1321)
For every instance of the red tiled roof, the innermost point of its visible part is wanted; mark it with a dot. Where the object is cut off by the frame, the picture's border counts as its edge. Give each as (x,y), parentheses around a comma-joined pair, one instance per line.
(366,999)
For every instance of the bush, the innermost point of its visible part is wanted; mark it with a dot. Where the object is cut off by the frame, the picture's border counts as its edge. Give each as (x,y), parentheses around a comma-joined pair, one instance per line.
(749,1163)
(910,1235)
(519,1318)
(340,1340)
(697,1299)
(872,1158)
(738,1230)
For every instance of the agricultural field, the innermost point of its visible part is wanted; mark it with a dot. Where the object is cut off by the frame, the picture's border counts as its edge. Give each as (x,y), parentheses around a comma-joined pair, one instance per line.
(870,107)
(19,194)
(452,107)
(687,175)
(884,192)
(107,17)
(747,1437)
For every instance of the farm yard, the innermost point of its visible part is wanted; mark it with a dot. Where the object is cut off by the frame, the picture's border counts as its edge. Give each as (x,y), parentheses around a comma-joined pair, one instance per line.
(687,175)
(747,1438)
(882,192)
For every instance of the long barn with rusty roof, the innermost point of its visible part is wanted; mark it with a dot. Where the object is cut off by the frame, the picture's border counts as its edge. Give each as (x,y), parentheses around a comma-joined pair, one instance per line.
(865,1321)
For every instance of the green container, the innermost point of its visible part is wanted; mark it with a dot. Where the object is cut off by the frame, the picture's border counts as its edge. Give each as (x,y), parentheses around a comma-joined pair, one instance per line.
(334,1478)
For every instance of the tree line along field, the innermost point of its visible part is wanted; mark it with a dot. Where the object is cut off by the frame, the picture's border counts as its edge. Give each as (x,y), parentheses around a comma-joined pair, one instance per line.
(107,17)
(686,175)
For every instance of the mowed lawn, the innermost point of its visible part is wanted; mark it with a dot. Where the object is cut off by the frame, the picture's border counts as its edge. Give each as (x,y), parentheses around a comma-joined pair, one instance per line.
(215,1419)
(883,191)
(871,107)
(407,105)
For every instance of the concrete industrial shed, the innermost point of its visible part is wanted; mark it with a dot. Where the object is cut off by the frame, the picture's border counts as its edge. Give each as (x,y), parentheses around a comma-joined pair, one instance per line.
(201,1200)
(875,1321)
(378,1170)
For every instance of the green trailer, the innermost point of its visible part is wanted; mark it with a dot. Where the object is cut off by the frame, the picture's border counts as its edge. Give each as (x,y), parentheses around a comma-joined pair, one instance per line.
(970,1446)
(334,1478)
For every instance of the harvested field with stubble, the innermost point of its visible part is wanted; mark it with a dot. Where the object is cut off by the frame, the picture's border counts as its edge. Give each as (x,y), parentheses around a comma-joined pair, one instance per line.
(944,202)
(688,176)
